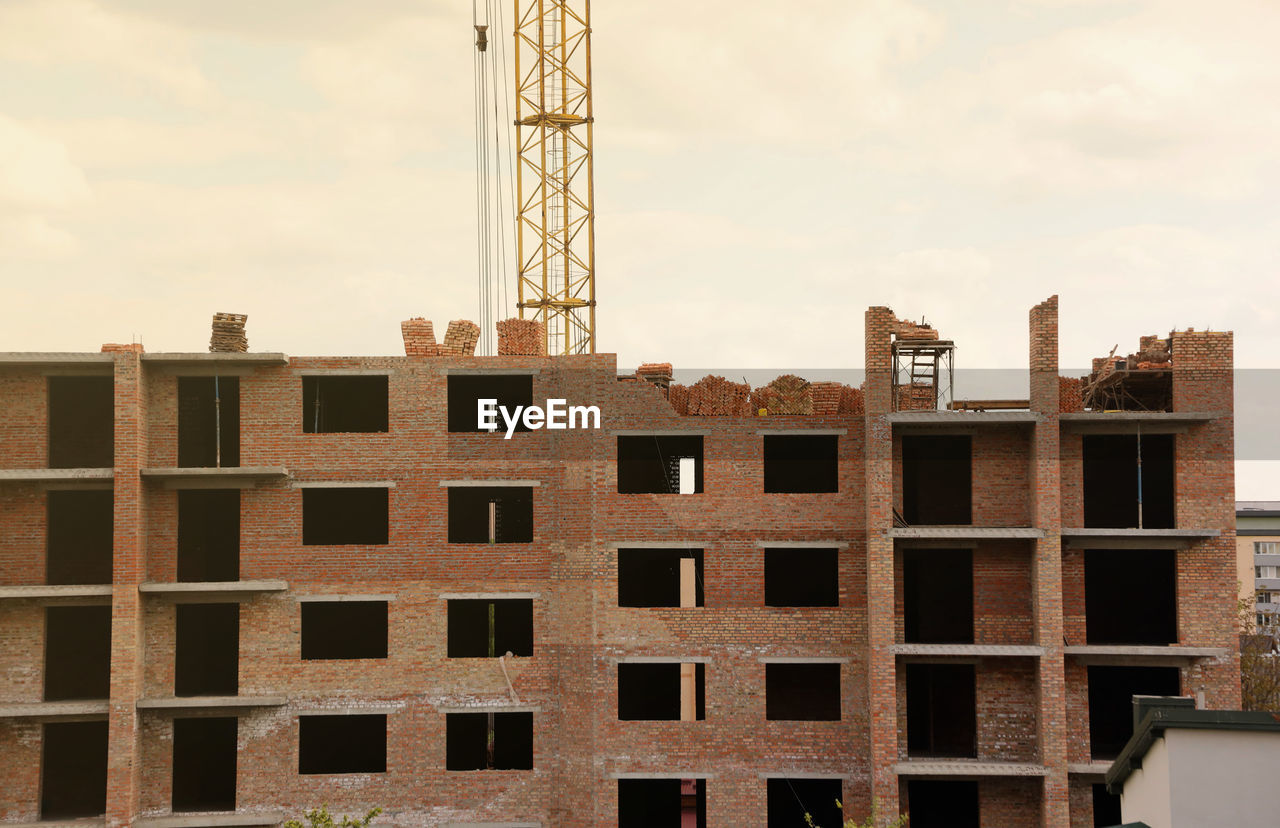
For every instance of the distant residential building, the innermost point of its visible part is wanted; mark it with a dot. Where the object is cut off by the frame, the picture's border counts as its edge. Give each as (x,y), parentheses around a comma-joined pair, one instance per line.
(1258,556)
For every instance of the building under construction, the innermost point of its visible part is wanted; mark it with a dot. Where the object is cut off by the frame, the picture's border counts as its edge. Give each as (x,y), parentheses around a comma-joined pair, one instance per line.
(236,585)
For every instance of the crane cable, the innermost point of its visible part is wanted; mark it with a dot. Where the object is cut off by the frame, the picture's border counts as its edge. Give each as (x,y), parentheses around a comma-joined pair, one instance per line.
(491,207)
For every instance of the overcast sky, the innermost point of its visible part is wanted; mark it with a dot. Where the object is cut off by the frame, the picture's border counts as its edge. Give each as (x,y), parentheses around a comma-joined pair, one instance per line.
(764,172)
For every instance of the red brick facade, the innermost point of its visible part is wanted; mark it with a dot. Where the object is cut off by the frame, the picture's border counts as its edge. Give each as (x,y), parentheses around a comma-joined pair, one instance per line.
(1032,752)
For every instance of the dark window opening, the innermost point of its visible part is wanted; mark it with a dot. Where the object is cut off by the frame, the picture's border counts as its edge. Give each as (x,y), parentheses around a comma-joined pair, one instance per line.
(209,535)
(342,744)
(77,653)
(790,800)
(490,514)
(335,517)
(79,537)
(1120,492)
(660,577)
(662,803)
(937,480)
(941,710)
(660,464)
(208,422)
(488,741)
(485,628)
(73,770)
(81,422)
(801,463)
(465,390)
(344,629)
(344,404)
(1106,807)
(207,650)
(801,577)
(802,692)
(939,803)
(665,691)
(1130,596)
(1111,692)
(204,764)
(937,596)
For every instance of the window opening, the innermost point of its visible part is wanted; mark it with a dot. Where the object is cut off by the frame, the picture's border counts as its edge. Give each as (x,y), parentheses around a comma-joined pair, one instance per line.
(490,514)
(345,404)
(802,692)
(488,741)
(344,629)
(79,539)
(345,516)
(660,464)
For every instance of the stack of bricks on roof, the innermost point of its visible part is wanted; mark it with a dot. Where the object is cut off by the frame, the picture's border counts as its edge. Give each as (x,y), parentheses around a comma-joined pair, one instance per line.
(235,586)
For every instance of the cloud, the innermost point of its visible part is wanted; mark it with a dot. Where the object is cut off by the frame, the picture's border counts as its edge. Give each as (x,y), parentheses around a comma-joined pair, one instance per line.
(60,33)
(36,172)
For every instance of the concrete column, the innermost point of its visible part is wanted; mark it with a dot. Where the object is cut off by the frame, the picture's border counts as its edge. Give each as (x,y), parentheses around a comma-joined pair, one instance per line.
(882,692)
(124,762)
(1047,562)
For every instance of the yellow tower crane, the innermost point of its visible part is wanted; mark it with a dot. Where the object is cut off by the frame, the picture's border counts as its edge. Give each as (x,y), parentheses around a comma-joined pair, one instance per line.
(555,218)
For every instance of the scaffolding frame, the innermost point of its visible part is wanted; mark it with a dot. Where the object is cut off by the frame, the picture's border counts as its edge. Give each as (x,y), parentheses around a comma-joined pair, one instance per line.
(926,367)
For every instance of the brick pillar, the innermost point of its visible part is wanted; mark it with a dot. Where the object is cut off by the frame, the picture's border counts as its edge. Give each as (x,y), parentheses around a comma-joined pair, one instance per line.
(882,690)
(1205,485)
(1046,559)
(124,762)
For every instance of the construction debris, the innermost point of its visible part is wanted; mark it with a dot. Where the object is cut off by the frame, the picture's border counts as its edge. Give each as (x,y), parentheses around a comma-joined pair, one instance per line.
(228,334)
(521,337)
(1141,381)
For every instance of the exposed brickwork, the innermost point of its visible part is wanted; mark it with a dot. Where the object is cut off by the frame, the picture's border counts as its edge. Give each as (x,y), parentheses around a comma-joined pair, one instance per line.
(1030,709)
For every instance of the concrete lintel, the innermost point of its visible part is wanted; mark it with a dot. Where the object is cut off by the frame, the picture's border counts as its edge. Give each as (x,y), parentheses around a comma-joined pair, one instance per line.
(1121,653)
(800,432)
(1014,650)
(213,820)
(343,372)
(804,659)
(481,372)
(47,359)
(802,544)
(969,532)
(343,484)
(317,599)
(660,432)
(196,589)
(662,775)
(309,708)
(615,545)
(57,591)
(1120,539)
(209,702)
(966,767)
(260,358)
(55,475)
(803,774)
(85,822)
(58,710)
(488,483)
(495,707)
(1139,416)
(231,474)
(490,596)
(961,419)
(1089,768)
(673,659)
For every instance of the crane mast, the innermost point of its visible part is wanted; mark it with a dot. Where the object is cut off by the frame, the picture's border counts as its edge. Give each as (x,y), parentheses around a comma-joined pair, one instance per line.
(555,220)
